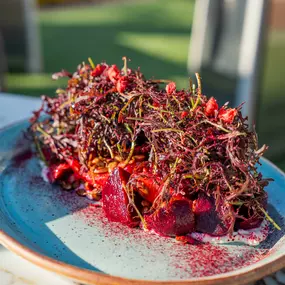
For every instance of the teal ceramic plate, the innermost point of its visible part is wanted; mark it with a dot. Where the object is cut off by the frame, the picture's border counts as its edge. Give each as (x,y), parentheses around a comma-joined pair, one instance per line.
(68,234)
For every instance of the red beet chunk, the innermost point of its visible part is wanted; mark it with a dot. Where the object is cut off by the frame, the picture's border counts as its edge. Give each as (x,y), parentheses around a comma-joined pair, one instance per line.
(60,169)
(174,218)
(208,219)
(56,171)
(148,187)
(101,179)
(130,167)
(187,239)
(250,223)
(147,184)
(253,219)
(114,198)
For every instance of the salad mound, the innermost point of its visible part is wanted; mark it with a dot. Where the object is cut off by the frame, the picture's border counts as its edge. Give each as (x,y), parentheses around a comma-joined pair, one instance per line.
(171,161)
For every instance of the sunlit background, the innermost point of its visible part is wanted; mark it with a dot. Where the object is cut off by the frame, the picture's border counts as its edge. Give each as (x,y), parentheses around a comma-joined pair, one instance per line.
(155,35)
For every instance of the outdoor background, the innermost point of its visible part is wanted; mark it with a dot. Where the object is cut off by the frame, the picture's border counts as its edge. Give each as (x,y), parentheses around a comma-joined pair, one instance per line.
(155,35)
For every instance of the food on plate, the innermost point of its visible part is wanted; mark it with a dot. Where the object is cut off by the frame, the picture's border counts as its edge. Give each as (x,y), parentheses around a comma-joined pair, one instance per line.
(171,161)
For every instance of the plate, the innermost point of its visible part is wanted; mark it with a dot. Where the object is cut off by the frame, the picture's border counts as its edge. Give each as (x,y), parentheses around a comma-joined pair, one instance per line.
(68,234)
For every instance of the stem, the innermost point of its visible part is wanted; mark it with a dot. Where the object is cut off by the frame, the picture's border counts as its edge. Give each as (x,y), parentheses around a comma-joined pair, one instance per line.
(106,118)
(120,116)
(91,62)
(161,81)
(63,105)
(269,218)
(167,130)
(187,176)
(166,182)
(119,149)
(128,128)
(109,148)
(135,119)
(155,158)
(40,151)
(135,207)
(59,90)
(196,103)
(175,165)
(190,84)
(237,203)
(125,68)
(177,102)
(199,91)
(140,105)
(199,84)
(163,119)
(130,155)
(156,108)
(215,125)
(193,89)
(42,131)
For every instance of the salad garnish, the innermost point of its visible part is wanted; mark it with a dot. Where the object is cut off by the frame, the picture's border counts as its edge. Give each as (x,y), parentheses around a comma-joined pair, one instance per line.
(172,161)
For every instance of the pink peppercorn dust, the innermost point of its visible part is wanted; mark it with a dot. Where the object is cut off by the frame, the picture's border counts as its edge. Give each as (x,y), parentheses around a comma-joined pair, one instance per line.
(185,260)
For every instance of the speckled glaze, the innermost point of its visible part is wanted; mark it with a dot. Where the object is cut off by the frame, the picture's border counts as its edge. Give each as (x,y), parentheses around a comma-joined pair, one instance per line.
(70,235)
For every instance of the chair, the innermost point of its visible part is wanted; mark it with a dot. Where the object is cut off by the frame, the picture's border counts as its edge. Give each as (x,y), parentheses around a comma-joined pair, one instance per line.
(226,47)
(3,64)
(20,35)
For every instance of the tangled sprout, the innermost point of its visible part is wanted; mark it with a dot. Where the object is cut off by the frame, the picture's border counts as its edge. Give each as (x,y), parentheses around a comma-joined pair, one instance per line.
(108,117)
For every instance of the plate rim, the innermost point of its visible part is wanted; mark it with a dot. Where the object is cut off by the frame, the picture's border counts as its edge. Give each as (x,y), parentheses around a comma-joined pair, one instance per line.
(97,278)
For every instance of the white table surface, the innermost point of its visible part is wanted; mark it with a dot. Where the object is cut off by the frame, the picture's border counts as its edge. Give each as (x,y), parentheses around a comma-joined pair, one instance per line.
(14,270)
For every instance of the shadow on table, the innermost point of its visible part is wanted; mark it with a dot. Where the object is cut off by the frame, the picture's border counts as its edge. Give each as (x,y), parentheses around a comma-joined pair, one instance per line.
(274,234)
(29,205)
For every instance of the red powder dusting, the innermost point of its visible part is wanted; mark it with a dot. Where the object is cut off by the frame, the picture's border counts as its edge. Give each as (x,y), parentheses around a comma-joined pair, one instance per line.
(206,259)
(93,215)
(22,157)
(188,260)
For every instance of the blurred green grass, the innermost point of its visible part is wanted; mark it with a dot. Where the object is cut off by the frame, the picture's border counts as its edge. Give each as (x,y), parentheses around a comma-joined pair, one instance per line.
(155,36)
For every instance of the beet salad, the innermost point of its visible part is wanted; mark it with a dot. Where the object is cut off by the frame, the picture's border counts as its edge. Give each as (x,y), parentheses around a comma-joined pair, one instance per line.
(170,161)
